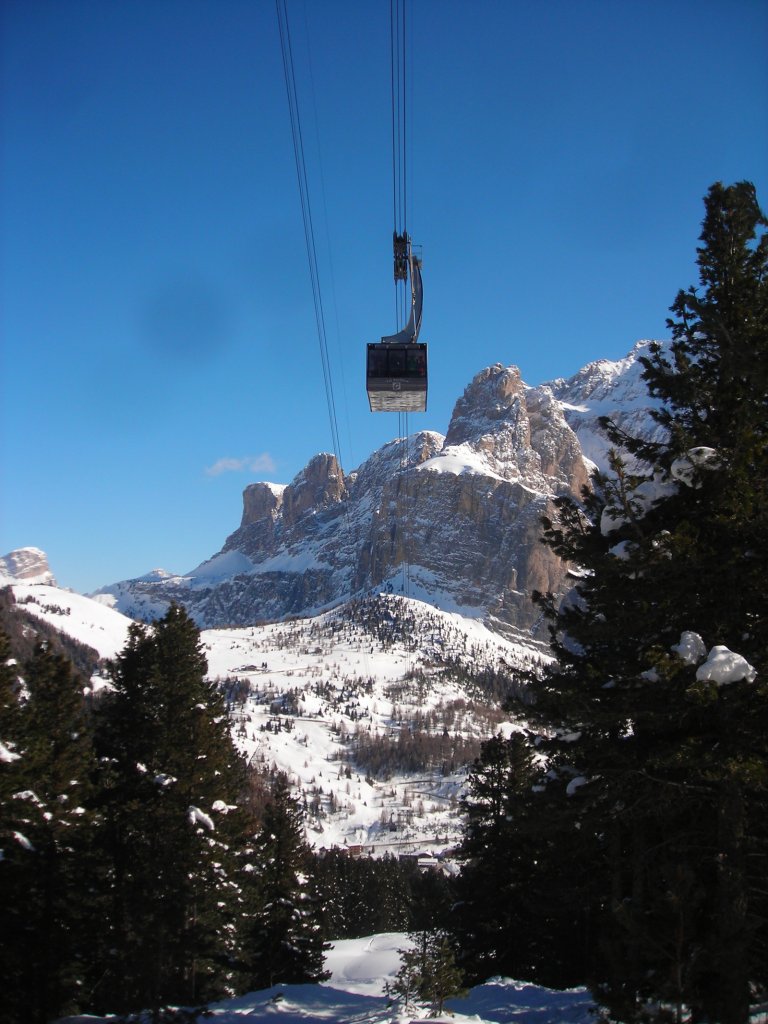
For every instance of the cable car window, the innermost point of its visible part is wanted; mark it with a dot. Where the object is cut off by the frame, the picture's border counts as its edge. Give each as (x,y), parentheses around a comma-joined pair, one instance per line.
(396,362)
(377,362)
(416,365)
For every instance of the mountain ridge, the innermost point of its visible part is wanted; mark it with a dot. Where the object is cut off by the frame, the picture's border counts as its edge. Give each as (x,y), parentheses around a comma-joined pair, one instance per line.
(451,519)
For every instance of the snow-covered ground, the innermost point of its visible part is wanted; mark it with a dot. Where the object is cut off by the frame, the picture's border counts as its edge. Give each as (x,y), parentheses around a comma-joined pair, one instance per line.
(302,691)
(77,616)
(310,688)
(355,992)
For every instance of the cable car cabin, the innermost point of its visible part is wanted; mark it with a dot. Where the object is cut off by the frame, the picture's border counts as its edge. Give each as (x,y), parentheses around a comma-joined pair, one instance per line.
(396,377)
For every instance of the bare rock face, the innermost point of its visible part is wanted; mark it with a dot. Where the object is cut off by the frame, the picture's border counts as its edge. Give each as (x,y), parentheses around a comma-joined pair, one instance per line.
(521,431)
(261,502)
(262,509)
(466,518)
(454,520)
(27,565)
(318,486)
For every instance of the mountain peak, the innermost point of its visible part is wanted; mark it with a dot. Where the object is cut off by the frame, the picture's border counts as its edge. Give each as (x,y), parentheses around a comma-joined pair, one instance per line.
(491,395)
(612,388)
(519,431)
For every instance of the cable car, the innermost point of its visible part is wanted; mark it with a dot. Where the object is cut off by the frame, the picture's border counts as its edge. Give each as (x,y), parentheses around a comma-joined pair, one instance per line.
(396,369)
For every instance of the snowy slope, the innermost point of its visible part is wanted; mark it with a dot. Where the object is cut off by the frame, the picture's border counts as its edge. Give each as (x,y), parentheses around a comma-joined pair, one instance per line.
(301,690)
(88,621)
(355,991)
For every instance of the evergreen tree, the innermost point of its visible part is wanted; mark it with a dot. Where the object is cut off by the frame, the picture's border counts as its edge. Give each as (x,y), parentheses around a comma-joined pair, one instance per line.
(49,907)
(443,979)
(282,938)
(494,876)
(10,717)
(362,895)
(428,971)
(171,782)
(507,921)
(15,847)
(665,765)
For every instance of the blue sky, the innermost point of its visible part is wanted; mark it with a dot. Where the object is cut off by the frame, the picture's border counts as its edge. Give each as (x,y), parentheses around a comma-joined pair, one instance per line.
(159,349)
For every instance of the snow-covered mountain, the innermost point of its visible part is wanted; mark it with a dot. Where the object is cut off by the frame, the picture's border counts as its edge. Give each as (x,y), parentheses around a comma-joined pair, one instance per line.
(607,388)
(453,520)
(322,691)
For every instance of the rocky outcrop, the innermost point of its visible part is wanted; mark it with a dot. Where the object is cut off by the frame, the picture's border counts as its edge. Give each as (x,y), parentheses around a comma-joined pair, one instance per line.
(454,519)
(319,486)
(261,503)
(27,565)
(471,513)
(521,431)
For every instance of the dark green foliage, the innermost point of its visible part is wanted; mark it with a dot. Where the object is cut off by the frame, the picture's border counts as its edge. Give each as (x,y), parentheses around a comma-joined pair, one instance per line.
(441,976)
(362,896)
(171,781)
(672,797)
(411,750)
(282,938)
(48,910)
(510,918)
(428,972)
(10,710)
(13,821)
(26,631)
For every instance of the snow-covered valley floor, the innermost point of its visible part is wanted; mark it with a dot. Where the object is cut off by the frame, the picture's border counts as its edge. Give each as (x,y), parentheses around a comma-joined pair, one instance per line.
(304,695)
(355,993)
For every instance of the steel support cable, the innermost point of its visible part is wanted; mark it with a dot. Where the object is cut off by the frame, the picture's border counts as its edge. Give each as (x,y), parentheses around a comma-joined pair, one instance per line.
(306,213)
(327,232)
(404,161)
(301,173)
(407,539)
(399,109)
(394,50)
(398,52)
(399,139)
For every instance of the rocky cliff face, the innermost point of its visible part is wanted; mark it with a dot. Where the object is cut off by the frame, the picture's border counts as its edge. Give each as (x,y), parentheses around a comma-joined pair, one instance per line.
(26,565)
(455,520)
